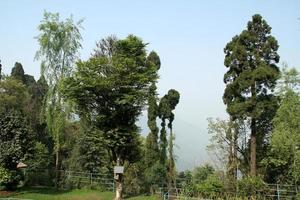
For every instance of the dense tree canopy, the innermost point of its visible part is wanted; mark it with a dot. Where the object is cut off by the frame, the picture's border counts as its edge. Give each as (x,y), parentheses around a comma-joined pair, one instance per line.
(112,95)
(283,158)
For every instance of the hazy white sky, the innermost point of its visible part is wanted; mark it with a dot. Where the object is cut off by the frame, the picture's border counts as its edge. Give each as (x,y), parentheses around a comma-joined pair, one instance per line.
(189,36)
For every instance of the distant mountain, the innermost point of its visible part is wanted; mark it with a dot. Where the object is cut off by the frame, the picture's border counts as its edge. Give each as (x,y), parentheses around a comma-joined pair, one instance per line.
(190,143)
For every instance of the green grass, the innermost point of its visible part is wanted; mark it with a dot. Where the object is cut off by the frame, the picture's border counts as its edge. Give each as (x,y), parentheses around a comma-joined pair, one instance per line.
(77,194)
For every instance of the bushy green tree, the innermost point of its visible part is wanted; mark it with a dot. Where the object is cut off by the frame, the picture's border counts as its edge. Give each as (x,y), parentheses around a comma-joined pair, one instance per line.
(40,158)
(15,143)
(13,95)
(283,156)
(111,93)
(200,174)
(211,187)
(93,156)
(34,107)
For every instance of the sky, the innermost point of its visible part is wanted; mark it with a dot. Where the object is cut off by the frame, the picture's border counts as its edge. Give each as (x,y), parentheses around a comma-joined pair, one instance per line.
(189,37)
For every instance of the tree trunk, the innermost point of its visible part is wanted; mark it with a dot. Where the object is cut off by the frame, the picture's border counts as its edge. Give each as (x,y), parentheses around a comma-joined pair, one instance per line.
(171,181)
(253,148)
(119,183)
(235,146)
(56,168)
(119,187)
(230,135)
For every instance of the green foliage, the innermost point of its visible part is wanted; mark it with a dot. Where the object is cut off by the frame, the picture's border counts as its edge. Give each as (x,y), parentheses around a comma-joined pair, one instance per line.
(188,190)
(13,95)
(298,196)
(155,176)
(152,148)
(289,80)
(40,157)
(134,181)
(211,187)
(18,73)
(34,105)
(15,143)
(283,157)
(200,174)
(111,93)
(166,106)
(250,186)
(93,157)
(185,181)
(251,59)
(59,44)
(5,177)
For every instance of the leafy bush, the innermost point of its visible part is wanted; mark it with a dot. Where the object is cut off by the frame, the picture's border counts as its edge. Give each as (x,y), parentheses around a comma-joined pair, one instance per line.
(298,196)
(250,186)
(40,157)
(211,187)
(200,174)
(5,176)
(9,179)
(133,178)
(188,189)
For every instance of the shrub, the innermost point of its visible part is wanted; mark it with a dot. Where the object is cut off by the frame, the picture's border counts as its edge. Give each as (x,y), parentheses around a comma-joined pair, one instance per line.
(9,179)
(188,189)
(250,186)
(211,187)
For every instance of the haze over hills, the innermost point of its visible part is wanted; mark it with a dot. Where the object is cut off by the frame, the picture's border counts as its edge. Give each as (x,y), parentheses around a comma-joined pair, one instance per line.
(190,143)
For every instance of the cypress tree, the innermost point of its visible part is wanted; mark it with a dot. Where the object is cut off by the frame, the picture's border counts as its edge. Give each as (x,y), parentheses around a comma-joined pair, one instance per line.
(152,150)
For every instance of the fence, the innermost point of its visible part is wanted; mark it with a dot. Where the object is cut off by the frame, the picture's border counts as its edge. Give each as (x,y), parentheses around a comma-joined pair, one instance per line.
(70,179)
(269,192)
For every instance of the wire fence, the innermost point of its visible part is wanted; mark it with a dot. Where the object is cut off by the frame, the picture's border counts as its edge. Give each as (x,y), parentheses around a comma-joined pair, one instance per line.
(105,182)
(69,179)
(269,192)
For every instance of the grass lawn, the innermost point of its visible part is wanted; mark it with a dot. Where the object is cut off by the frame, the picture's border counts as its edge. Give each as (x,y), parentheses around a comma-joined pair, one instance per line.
(82,194)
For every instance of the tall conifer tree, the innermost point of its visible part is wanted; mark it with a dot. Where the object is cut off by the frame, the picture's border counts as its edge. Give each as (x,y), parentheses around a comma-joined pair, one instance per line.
(251,59)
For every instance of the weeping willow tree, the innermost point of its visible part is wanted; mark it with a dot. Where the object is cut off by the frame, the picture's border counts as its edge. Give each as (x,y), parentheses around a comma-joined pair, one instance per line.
(59,44)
